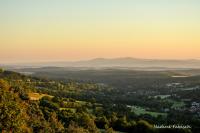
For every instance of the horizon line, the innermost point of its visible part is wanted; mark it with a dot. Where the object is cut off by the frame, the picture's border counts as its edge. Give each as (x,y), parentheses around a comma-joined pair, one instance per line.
(89,59)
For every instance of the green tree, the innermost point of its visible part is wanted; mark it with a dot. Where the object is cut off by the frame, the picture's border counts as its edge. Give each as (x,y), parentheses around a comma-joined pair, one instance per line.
(87,122)
(55,124)
(74,128)
(102,122)
(11,111)
(4,85)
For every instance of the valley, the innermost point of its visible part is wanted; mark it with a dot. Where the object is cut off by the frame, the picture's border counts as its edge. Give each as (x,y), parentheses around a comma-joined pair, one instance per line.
(156,97)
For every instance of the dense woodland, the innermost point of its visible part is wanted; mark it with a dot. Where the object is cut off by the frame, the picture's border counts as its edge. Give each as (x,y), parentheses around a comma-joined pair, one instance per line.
(41,105)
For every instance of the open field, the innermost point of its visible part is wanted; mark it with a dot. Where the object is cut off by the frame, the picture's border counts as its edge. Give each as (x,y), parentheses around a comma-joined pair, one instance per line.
(37,96)
(141,111)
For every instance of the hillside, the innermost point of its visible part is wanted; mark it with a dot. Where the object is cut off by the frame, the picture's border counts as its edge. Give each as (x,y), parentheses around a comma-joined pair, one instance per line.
(36,105)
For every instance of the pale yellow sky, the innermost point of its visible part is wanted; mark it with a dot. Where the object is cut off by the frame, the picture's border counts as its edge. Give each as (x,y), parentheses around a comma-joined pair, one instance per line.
(133,29)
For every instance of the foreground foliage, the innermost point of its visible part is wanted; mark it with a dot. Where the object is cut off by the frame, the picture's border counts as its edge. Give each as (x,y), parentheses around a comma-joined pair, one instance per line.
(54,114)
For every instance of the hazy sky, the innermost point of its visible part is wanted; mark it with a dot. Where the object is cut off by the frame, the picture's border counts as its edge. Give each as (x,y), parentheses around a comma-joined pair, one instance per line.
(36,30)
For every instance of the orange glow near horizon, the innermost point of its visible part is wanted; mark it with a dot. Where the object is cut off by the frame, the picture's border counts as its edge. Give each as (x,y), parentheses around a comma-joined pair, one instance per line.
(31,37)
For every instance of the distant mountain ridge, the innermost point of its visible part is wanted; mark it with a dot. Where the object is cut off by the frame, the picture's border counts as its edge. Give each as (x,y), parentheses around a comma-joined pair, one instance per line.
(126,62)
(135,62)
